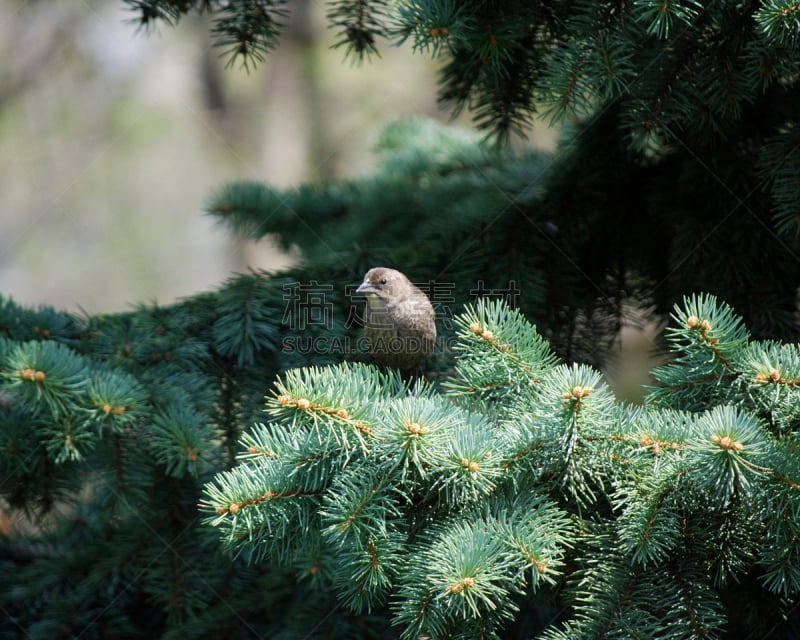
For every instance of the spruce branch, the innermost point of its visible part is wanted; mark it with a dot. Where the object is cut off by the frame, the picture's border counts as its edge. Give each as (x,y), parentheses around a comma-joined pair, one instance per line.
(706,337)
(779,166)
(675,67)
(567,82)
(248,29)
(725,450)
(779,20)
(47,375)
(148,12)
(312,398)
(442,510)
(247,320)
(500,352)
(181,440)
(780,555)
(650,522)
(116,399)
(576,422)
(416,430)
(367,462)
(360,24)
(661,15)
(432,26)
(467,468)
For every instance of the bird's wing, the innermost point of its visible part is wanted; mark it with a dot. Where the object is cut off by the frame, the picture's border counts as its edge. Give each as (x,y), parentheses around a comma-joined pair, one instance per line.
(420,320)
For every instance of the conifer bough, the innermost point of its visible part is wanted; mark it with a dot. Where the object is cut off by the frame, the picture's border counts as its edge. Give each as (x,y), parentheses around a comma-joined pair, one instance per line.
(449,510)
(672,66)
(518,499)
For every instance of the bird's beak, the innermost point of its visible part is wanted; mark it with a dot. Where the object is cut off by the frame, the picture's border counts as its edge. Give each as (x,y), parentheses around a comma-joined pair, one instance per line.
(366,287)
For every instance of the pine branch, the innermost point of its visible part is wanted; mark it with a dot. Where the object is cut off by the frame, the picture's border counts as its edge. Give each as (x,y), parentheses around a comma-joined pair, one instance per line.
(247,320)
(360,24)
(780,168)
(779,20)
(662,15)
(248,29)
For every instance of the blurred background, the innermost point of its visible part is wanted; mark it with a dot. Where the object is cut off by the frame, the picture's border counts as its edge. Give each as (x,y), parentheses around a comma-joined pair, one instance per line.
(113,138)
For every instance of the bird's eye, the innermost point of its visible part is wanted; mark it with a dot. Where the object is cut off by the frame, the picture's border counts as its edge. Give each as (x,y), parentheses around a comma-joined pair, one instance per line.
(383,280)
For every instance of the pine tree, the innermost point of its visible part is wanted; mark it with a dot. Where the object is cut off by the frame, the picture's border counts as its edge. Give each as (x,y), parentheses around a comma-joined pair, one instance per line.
(234,465)
(518,497)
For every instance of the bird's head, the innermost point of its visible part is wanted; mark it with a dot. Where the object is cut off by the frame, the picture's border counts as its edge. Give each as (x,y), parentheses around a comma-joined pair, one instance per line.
(382,283)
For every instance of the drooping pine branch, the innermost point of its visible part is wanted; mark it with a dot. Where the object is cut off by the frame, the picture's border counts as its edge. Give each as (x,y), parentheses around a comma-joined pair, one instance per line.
(674,66)
(360,24)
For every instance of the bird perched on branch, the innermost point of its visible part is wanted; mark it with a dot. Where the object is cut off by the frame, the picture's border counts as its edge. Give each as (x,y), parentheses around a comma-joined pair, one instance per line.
(399,322)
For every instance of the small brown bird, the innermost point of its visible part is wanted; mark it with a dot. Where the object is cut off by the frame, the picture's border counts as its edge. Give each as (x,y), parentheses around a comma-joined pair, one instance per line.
(399,320)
